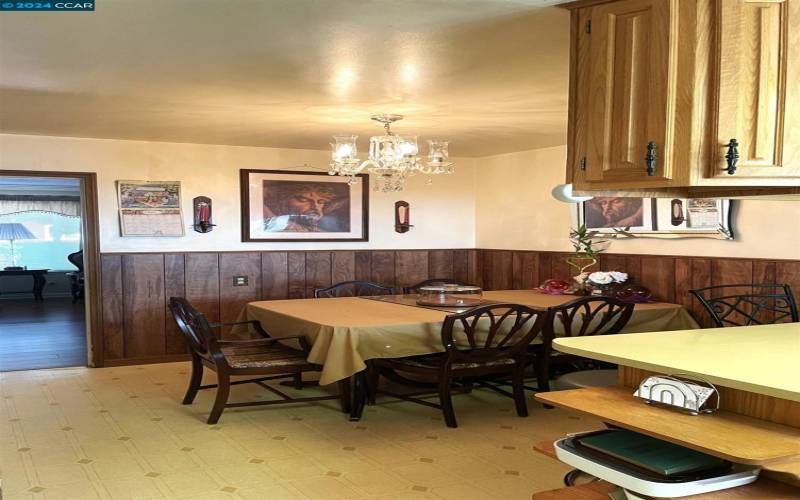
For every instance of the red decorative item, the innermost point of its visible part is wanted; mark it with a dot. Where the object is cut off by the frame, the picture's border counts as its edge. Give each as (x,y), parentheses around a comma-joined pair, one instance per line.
(554,287)
(202,214)
(636,294)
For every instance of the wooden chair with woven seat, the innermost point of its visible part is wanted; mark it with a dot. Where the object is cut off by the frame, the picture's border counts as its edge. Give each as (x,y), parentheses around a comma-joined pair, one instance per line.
(582,317)
(353,289)
(486,341)
(264,356)
(408,290)
(748,304)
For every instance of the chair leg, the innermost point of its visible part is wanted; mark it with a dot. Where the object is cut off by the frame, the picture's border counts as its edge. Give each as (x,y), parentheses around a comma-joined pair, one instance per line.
(223,390)
(373,379)
(542,380)
(446,400)
(542,376)
(194,381)
(344,394)
(298,381)
(519,390)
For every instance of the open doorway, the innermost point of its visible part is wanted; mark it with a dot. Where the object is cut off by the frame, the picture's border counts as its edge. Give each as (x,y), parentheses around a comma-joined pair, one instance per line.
(43,299)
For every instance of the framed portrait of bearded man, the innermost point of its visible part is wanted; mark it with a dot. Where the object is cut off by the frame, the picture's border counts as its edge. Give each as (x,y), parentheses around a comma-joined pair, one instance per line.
(281,205)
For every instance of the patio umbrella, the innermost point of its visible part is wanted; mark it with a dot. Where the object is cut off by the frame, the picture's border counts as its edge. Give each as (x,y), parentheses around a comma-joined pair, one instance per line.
(15,231)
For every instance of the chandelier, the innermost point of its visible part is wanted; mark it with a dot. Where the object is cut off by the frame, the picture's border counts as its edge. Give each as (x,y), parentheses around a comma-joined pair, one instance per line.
(392,158)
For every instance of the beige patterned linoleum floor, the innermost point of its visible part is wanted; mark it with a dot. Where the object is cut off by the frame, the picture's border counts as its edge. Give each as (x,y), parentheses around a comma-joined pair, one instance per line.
(121,433)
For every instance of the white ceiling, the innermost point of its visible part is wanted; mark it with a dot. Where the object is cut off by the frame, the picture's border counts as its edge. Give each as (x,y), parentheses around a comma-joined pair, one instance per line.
(491,75)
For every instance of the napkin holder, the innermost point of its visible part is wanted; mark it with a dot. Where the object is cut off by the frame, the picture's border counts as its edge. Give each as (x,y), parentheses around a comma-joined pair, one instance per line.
(675,391)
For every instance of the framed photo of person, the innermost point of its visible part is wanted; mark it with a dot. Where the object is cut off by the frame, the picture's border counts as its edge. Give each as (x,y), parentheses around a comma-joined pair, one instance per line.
(281,205)
(657,217)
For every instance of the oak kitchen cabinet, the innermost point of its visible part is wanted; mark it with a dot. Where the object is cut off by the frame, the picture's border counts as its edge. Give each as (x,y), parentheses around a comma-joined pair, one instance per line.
(685,96)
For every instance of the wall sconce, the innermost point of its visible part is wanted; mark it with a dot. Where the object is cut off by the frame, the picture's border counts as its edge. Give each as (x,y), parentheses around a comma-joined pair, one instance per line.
(402,217)
(202,214)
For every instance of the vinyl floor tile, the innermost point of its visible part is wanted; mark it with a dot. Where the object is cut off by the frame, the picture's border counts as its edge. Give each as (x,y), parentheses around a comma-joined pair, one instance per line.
(83,436)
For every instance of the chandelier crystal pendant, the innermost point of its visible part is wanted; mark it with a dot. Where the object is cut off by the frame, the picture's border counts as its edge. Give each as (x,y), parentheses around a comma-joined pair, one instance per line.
(392,158)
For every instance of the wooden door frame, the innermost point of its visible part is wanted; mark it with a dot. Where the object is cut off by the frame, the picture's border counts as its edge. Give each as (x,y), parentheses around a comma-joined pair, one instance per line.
(91,254)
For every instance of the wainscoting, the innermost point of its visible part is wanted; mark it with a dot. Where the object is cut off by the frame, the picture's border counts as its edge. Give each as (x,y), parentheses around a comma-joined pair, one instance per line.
(669,277)
(137,326)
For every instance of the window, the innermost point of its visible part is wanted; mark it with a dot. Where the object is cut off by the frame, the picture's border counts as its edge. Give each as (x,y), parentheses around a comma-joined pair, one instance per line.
(56,237)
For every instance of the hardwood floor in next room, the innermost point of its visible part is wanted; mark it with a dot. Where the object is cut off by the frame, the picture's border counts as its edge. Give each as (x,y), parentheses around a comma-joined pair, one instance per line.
(47,334)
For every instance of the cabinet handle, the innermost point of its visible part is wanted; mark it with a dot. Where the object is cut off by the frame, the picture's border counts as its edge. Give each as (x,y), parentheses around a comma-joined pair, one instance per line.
(651,158)
(732,156)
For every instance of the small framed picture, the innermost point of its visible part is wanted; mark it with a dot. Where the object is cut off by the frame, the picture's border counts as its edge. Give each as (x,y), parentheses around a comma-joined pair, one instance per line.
(280,205)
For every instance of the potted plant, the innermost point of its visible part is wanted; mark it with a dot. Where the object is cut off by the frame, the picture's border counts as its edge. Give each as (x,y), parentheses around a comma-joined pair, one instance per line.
(588,247)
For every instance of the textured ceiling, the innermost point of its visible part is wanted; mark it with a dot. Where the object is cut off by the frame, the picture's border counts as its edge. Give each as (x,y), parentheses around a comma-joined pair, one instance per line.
(490,75)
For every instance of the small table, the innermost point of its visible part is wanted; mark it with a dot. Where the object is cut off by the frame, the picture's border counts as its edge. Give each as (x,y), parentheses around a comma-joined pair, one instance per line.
(38,275)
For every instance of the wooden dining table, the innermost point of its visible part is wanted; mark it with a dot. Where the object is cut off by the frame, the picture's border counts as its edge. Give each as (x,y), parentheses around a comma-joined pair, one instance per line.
(345,332)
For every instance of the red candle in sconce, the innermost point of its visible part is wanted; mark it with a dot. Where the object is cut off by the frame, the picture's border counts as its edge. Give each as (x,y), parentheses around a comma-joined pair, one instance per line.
(202,214)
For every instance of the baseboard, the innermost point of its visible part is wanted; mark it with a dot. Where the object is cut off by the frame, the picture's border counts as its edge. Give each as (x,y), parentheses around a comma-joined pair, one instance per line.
(171,358)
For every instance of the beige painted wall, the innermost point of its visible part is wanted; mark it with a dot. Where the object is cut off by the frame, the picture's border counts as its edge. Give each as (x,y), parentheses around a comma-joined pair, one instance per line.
(514,210)
(442,212)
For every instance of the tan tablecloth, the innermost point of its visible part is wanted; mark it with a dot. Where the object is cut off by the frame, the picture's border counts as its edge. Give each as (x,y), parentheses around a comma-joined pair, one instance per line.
(346,331)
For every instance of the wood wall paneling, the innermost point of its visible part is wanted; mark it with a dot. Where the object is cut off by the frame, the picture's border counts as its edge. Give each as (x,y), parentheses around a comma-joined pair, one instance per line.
(525,273)
(318,271)
(202,283)
(465,266)
(411,267)
(232,298)
(440,264)
(296,275)
(274,275)
(343,266)
(659,274)
(144,305)
(382,268)
(363,265)
(137,326)
(112,286)
(174,286)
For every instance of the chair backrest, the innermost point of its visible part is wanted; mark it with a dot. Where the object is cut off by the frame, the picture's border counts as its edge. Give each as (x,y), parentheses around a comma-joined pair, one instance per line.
(194,325)
(586,316)
(353,289)
(749,304)
(491,332)
(76,259)
(431,282)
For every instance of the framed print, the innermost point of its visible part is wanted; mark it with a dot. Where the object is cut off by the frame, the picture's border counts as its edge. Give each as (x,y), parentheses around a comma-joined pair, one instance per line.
(150,208)
(636,214)
(657,217)
(280,205)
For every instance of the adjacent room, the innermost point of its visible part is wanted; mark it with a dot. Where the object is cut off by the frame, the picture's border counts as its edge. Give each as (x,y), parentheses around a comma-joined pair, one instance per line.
(41,281)
(380,249)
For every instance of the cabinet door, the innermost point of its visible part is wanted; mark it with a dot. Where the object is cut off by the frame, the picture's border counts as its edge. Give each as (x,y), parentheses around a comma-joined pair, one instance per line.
(758,88)
(631,91)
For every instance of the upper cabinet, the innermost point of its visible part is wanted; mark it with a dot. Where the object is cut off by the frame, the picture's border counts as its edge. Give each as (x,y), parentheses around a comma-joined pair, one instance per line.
(684,94)
(756,94)
(631,89)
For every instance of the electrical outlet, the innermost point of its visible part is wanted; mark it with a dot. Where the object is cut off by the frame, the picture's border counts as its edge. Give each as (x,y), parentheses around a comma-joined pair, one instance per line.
(240,281)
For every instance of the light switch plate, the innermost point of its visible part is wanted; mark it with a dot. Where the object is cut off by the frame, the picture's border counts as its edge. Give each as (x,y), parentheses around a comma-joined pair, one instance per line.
(240,281)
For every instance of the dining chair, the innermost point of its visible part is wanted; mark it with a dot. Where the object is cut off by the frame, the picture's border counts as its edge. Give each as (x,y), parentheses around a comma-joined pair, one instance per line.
(353,289)
(265,356)
(76,278)
(582,317)
(431,282)
(486,341)
(748,304)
